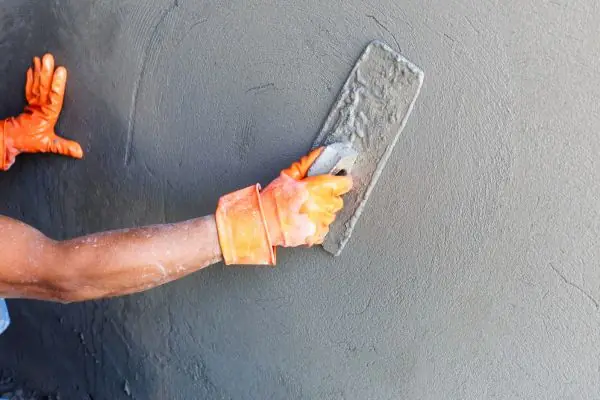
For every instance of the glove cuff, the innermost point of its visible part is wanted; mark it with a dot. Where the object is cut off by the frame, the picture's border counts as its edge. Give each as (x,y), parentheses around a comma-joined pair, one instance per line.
(242,229)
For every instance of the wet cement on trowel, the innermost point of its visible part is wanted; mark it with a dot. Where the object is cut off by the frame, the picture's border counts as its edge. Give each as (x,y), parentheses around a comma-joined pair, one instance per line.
(371,112)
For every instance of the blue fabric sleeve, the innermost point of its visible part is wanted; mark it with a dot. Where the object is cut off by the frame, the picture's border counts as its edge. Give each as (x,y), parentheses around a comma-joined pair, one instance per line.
(4,318)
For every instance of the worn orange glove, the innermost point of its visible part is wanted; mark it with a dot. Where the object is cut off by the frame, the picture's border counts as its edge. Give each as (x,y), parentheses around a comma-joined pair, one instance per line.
(292,211)
(33,131)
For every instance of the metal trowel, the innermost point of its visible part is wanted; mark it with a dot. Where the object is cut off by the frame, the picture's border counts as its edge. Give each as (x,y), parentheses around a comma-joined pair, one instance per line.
(362,128)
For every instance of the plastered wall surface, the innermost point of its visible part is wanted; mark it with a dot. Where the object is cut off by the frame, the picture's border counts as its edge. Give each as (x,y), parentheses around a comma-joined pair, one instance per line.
(473,273)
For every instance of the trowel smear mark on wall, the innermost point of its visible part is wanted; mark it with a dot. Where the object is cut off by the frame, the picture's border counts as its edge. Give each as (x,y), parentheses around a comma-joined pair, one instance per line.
(370,113)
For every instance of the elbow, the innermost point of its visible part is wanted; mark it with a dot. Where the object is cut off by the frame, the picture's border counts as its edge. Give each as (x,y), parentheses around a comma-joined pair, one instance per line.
(67,287)
(66,293)
(67,296)
(63,281)
(63,290)
(44,269)
(62,298)
(74,298)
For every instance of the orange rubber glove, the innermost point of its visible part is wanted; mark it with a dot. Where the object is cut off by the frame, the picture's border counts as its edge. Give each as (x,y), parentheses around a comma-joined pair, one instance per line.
(33,131)
(292,211)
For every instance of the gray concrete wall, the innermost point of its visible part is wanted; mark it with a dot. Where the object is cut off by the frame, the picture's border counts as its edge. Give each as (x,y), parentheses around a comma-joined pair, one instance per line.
(474,273)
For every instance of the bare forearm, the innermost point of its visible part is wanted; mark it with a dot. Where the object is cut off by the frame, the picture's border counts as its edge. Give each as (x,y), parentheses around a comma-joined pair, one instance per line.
(115,263)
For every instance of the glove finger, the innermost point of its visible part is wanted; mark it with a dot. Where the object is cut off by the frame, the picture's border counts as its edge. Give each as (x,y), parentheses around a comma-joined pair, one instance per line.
(323,184)
(326,218)
(319,236)
(299,169)
(340,184)
(322,210)
(29,85)
(323,202)
(46,77)
(316,239)
(57,92)
(333,204)
(65,147)
(9,158)
(37,72)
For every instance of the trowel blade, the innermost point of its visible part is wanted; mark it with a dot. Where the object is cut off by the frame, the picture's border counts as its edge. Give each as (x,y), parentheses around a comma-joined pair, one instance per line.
(370,113)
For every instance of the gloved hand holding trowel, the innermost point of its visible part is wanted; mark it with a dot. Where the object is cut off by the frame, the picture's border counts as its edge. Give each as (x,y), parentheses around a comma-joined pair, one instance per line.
(248,225)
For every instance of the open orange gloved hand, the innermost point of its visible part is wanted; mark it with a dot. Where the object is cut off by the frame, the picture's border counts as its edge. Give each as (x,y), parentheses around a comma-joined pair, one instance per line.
(33,130)
(294,210)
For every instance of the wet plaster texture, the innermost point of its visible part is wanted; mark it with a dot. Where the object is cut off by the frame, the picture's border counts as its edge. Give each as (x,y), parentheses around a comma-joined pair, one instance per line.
(473,273)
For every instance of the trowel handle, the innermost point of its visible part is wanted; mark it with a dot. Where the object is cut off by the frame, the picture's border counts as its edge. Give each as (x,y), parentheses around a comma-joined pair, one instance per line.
(336,159)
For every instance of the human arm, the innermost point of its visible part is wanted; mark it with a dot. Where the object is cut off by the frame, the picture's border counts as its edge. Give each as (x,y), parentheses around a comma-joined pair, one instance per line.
(102,265)
(249,224)
(247,227)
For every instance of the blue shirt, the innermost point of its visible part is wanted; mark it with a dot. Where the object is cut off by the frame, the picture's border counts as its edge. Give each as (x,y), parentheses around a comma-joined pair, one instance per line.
(4,318)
